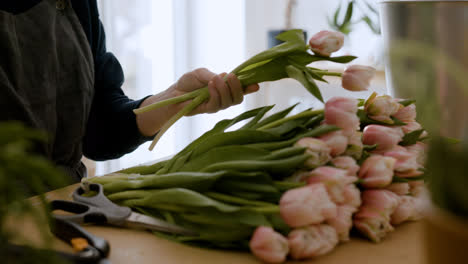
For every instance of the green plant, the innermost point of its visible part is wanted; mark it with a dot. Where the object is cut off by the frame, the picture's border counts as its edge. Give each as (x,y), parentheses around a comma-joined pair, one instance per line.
(22,174)
(345,25)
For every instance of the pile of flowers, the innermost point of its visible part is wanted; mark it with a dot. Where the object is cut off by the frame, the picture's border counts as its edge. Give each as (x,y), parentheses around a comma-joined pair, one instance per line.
(289,186)
(366,176)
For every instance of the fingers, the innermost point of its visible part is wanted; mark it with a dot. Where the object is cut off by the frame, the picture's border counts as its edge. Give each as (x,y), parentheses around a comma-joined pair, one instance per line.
(251,88)
(214,103)
(225,89)
(235,88)
(203,75)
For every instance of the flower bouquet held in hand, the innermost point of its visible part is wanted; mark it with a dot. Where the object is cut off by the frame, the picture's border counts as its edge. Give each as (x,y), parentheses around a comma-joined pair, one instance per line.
(289,59)
(288,186)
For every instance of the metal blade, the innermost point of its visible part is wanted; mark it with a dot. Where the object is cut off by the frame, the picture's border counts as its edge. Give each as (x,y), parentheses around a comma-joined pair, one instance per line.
(136,220)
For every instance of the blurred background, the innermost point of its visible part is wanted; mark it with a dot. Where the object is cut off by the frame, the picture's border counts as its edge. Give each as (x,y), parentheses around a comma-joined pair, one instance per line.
(158,41)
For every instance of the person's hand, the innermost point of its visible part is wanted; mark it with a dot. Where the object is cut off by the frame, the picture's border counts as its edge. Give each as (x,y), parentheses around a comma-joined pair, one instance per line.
(225,89)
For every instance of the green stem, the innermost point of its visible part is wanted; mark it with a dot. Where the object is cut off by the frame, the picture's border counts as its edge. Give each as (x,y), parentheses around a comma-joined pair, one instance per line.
(328,73)
(204,94)
(174,100)
(286,119)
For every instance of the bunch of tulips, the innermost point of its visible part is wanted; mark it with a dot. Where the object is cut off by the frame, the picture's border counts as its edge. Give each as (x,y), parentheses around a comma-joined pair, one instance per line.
(367,176)
(290,59)
(288,186)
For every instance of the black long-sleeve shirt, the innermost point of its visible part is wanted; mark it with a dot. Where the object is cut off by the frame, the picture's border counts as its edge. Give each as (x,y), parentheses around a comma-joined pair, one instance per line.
(111,130)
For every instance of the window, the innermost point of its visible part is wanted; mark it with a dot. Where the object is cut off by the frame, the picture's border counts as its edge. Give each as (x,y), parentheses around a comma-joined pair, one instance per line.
(157,41)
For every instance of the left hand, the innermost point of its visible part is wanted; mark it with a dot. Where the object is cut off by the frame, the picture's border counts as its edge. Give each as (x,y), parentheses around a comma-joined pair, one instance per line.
(225,89)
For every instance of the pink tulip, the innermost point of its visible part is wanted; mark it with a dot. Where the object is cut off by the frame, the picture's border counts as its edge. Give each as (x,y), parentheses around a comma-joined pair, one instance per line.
(352,196)
(417,188)
(380,108)
(306,205)
(341,112)
(324,43)
(343,221)
(357,77)
(377,171)
(334,180)
(268,245)
(385,137)
(312,241)
(400,188)
(336,141)
(355,145)
(413,126)
(346,163)
(317,149)
(406,162)
(420,150)
(409,209)
(373,217)
(298,176)
(406,114)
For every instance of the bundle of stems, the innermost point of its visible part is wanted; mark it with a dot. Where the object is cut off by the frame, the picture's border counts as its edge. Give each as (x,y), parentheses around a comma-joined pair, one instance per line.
(286,60)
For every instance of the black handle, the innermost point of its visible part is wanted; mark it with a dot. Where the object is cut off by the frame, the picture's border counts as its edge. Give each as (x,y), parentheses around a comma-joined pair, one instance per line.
(66,230)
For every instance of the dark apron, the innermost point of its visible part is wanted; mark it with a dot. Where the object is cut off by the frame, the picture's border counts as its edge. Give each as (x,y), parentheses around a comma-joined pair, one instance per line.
(47,78)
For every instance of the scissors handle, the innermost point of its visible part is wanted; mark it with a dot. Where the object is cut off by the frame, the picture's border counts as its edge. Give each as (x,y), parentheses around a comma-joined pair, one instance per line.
(94,209)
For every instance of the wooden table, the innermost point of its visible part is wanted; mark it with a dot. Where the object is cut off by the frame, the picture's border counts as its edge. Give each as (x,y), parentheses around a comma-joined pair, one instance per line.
(404,245)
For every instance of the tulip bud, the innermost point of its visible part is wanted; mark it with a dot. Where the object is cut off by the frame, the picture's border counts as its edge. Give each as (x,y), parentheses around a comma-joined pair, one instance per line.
(335,180)
(336,141)
(343,221)
(357,77)
(268,245)
(298,176)
(346,163)
(352,196)
(317,149)
(341,112)
(355,145)
(406,164)
(413,126)
(373,217)
(380,108)
(385,137)
(326,42)
(406,114)
(400,188)
(409,209)
(306,205)
(312,241)
(417,188)
(377,171)
(420,150)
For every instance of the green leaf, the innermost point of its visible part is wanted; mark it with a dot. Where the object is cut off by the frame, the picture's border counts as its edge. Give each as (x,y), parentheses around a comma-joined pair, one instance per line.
(223,153)
(257,118)
(238,137)
(369,147)
(407,179)
(366,120)
(179,197)
(305,79)
(349,13)
(361,102)
(294,41)
(407,102)
(411,137)
(305,58)
(274,117)
(271,71)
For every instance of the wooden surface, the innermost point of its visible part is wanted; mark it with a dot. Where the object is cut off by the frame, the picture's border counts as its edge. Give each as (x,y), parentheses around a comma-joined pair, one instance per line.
(404,245)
